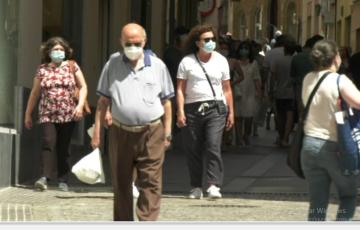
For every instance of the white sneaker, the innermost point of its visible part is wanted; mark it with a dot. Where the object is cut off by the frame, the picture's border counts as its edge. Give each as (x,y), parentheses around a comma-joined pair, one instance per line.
(196,193)
(135,191)
(214,192)
(63,187)
(41,184)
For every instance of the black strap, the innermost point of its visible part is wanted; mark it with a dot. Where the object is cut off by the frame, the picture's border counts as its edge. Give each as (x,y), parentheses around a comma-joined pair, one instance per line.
(307,107)
(207,76)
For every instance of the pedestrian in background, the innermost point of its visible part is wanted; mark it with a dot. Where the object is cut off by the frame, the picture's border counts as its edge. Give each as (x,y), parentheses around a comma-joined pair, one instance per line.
(250,87)
(54,83)
(138,88)
(319,155)
(301,65)
(205,108)
(226,48)
(283,92)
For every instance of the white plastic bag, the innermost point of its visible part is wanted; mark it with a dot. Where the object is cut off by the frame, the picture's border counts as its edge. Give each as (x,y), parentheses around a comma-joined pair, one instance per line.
(89,168)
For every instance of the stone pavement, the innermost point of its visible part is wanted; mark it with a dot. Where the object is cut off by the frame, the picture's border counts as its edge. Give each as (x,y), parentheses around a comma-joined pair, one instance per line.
(258,186)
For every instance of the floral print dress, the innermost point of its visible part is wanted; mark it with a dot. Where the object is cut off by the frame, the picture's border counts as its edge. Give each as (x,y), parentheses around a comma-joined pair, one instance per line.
(57,104)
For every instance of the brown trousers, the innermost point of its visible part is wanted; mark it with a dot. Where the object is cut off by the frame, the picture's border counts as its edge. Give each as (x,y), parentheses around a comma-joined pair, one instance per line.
(143,151)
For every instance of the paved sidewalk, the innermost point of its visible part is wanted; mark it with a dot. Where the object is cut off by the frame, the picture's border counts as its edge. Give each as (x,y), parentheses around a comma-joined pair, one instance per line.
(258,186)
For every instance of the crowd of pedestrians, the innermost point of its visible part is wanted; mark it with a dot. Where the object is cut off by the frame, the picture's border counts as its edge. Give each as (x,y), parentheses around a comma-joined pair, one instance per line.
(214,91)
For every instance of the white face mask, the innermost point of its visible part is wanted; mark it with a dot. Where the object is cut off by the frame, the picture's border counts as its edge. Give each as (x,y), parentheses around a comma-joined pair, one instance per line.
(133,52)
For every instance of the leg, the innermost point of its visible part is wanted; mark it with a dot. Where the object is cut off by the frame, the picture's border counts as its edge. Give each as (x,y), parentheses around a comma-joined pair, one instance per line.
(288,127)
(193,139)
(238,126)
(214,128)
(149,164)
(121,156)
(48,152)
(64,134)
(317,177)
(346,188)
(280,120)
(247,132)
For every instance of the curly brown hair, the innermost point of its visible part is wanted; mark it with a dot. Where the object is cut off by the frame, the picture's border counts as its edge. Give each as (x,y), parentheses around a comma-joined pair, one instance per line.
(50,43)
(190,46)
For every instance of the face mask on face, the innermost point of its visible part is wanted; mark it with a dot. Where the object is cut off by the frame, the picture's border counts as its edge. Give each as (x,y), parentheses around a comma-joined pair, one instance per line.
(57,56)
(133,52)
(209,46)
(244,53)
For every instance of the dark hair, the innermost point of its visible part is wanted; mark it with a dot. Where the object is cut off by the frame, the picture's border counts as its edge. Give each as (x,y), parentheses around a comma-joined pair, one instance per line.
(324,53)
(247,44)
(312,41)
(289,45)
(50,43)
(190,46)
(178,32)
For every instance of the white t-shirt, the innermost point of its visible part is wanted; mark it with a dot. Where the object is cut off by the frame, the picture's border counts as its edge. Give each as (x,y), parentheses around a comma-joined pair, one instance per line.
(197,86)
(320,121)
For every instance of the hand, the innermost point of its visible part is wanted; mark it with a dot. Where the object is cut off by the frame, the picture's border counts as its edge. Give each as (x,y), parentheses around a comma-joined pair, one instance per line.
(78,113)
(181,120)
(28,122)
(95,142)
(230,121)
(108,119)
(167,144)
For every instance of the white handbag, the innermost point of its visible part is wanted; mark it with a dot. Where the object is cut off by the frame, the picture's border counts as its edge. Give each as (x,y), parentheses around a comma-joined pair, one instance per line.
(89,168)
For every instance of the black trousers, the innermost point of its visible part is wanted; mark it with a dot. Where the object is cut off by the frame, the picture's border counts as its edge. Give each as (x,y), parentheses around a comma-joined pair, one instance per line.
(202,139)
(56,139)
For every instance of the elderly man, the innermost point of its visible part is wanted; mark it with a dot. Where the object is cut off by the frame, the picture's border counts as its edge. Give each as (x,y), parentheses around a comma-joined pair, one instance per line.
(138,88)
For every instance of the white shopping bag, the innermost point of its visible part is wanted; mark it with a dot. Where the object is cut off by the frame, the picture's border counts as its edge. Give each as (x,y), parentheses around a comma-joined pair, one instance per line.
(89,168)
(90,131)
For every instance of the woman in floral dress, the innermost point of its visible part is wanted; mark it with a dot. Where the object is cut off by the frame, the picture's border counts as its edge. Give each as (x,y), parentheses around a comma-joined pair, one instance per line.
(55,82)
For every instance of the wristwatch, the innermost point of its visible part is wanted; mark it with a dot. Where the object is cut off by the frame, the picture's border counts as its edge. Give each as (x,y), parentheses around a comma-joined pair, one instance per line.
(168,137)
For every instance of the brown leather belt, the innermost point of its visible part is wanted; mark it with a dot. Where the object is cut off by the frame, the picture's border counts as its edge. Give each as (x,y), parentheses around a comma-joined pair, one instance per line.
(137,128)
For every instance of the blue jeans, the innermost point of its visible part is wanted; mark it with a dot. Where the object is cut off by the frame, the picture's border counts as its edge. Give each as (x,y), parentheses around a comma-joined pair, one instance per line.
(321,167)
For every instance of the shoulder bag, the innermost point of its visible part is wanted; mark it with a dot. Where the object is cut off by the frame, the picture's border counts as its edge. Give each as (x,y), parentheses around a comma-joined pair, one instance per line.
(294,155)
(76,95)
(348,132)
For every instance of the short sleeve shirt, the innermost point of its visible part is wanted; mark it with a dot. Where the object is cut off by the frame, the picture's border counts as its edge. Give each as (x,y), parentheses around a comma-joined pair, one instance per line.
(136,96)
(197,86)
(320,121)
(56,104)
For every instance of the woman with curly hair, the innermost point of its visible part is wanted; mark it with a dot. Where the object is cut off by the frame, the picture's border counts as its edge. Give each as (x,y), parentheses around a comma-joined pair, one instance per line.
(54,83)
(205,108)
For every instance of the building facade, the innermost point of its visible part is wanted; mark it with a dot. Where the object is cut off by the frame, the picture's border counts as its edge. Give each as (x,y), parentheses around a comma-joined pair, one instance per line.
(93,28)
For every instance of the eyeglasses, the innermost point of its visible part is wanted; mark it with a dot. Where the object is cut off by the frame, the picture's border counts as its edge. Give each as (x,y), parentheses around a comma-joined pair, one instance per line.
(137,44)
(208,39)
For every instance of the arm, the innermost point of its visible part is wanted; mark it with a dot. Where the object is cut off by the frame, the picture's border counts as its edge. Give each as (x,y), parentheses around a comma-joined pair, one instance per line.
(349,92)
(229,101)
(180,99)
(238,70)
(167,122)
(101,110)
(34,96)
(81,83)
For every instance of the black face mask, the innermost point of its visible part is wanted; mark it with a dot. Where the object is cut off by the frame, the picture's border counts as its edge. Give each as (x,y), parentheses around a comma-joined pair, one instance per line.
(244,53)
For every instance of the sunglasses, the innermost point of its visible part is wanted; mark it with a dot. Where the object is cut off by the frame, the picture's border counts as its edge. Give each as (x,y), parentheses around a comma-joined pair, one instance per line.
(137,44)
(208,39)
